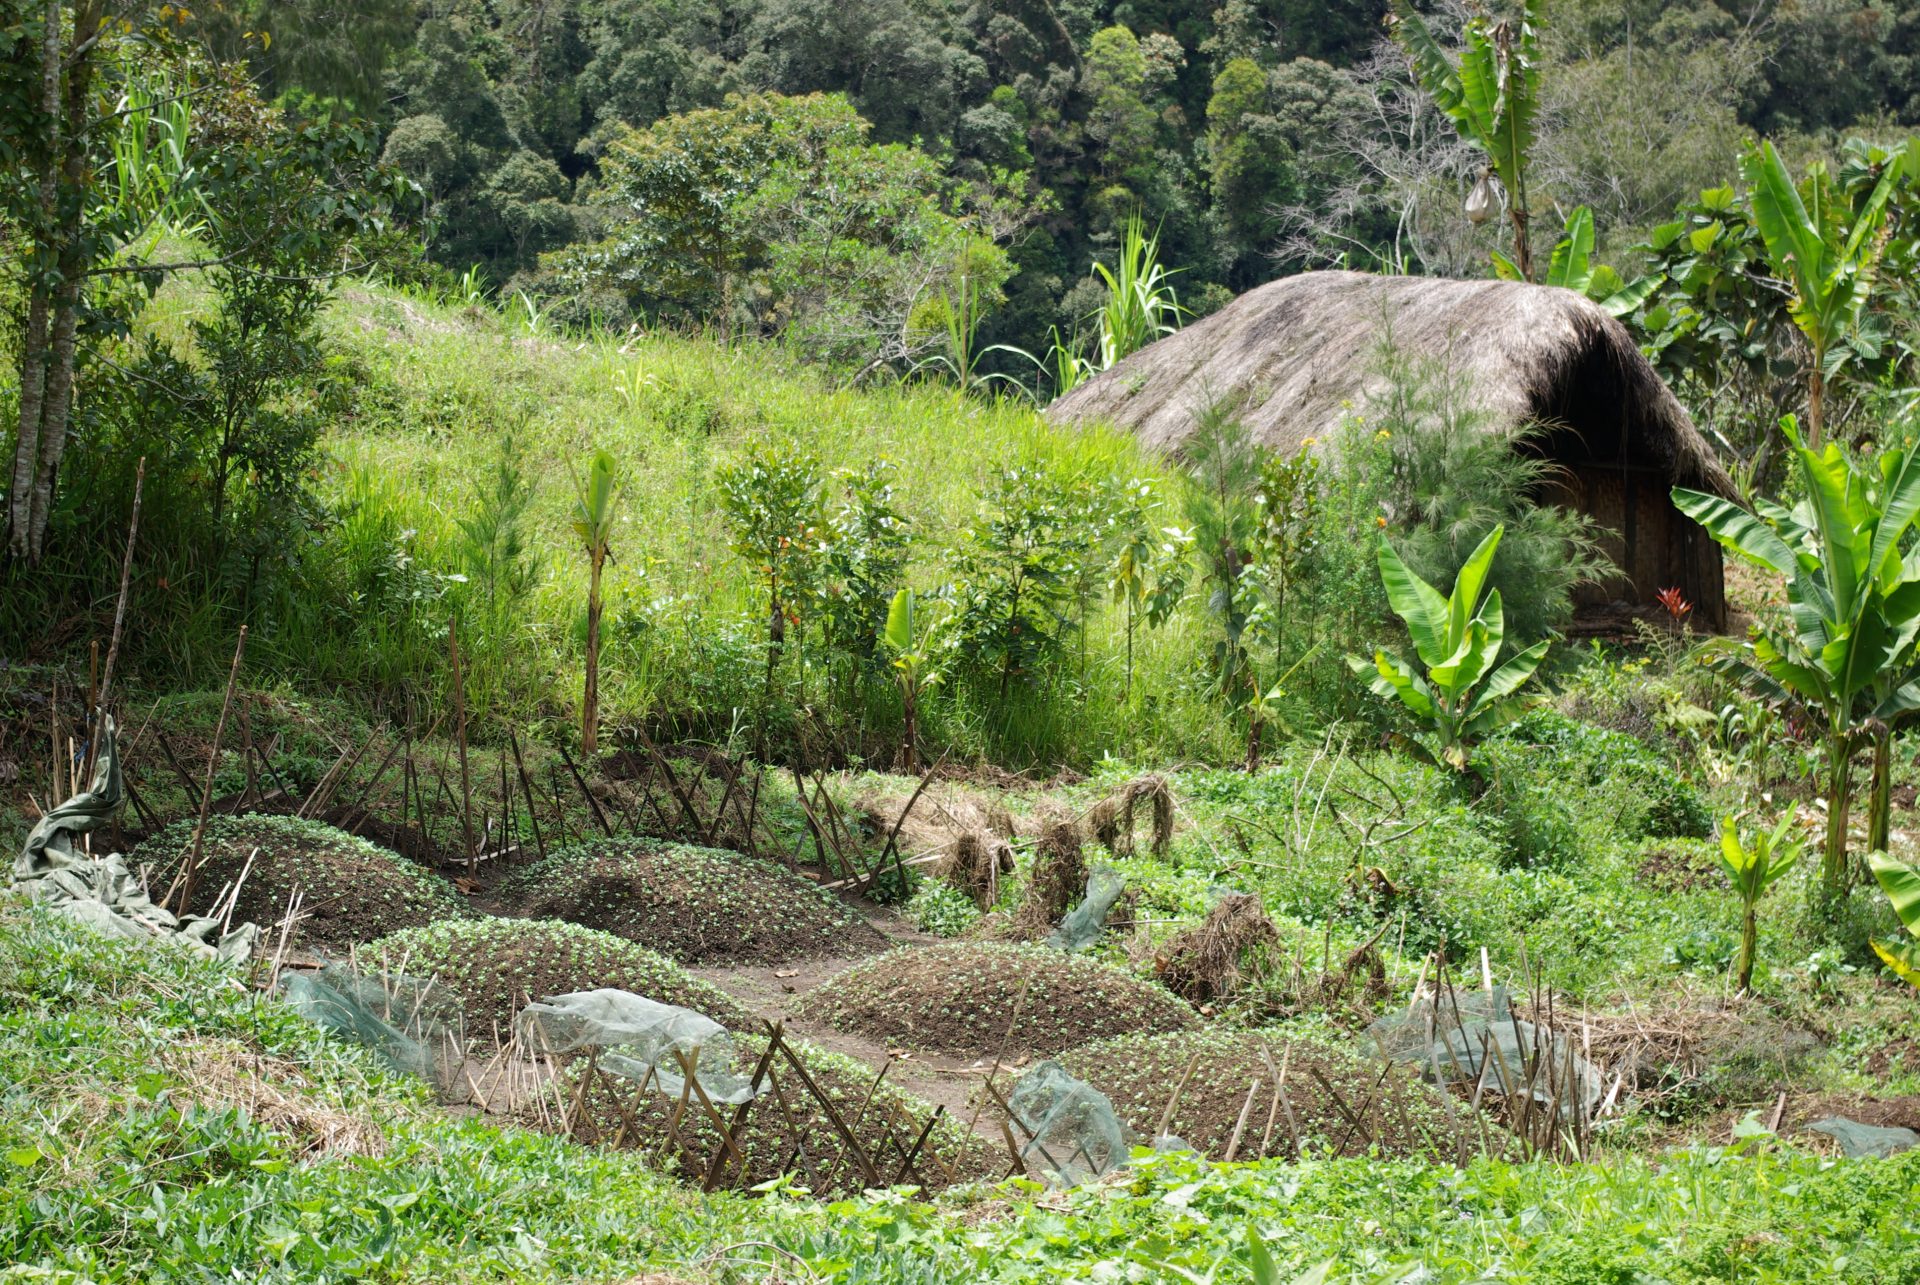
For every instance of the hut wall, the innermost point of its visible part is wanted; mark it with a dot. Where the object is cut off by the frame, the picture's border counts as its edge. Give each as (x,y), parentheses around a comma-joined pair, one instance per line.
(1653,544)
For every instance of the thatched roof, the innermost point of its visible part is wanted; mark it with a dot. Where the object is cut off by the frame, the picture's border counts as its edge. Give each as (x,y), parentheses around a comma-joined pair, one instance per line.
(1300,352)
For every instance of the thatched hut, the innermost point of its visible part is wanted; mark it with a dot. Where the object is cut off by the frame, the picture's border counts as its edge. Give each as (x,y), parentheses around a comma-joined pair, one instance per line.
(1299,355)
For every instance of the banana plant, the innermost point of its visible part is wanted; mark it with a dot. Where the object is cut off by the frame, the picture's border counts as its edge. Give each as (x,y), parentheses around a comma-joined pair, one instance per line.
(914,649)
(596,496)
(1853,595)
(1492,95)
(1901,883)
(1752,869)
(1461,696)
(1572,268)
(1827,251)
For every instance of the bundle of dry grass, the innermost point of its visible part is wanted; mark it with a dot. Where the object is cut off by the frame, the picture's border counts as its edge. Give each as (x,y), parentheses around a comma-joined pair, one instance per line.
(1112,819)
(1059,877)
(1204,962)
(974,865)
(935,819)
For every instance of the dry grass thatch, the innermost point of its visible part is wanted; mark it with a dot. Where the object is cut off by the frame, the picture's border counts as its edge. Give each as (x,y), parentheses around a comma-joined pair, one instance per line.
(974,865)
(275,1093)
(1058,879)
(1203,963)
(1112,819)
(1297,354)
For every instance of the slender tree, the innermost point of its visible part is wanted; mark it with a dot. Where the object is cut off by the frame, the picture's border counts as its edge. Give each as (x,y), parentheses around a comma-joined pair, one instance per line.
(594,505)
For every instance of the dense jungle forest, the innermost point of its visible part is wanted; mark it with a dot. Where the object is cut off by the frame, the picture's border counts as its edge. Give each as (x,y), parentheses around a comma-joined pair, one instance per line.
(699,641)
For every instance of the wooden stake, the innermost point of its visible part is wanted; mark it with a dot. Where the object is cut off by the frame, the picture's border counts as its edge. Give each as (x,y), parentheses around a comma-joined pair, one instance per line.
(119,612)
(460,719)
(190,871)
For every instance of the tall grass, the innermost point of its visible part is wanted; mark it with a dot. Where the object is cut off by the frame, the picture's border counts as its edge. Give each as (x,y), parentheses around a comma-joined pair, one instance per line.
(444,384)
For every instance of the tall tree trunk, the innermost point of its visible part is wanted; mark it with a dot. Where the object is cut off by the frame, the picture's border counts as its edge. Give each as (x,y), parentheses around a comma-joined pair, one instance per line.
(47,375)
(1522,244)
(37,343)
(1833,852)
(58,405)
(1880,795)
(26,451)
(1816,402)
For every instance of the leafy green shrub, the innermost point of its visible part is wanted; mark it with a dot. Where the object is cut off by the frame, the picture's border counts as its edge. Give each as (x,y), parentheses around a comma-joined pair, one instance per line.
(1652,798)
(1445,479)
(941,909)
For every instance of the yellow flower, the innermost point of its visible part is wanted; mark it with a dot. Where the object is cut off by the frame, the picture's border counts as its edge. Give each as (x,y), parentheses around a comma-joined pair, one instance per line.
(1380,521)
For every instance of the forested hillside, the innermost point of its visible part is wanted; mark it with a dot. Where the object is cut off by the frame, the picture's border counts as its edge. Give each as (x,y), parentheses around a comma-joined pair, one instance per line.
(1260,137)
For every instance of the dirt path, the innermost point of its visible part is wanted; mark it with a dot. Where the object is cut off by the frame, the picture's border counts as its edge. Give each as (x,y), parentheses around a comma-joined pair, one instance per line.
(774,992)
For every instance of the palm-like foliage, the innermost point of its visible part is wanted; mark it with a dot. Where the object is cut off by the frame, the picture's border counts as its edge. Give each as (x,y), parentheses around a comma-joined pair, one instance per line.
(593,514)
(1492,95)
(1901,883)
(1462,696)
(1140,306)
(913,645)
(1752,869)
(1572,268)
(1828,251)
(1853,593)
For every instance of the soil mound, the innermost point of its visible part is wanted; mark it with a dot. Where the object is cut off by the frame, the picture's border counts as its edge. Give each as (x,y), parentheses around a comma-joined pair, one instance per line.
(697,905)
(965,998)
(351,890)
(1138,1073)
(495,966)
(799,1138)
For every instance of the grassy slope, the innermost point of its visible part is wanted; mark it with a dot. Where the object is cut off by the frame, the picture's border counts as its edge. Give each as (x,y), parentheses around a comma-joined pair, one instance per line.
(447,385)
(159,1124)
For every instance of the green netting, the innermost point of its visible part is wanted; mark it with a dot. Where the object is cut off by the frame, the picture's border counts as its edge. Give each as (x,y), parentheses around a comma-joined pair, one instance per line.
(415,1026)
(1086,921)
(1857,1139)
(1073,1132)
(639,1039)
(101,892)
(1464,1037)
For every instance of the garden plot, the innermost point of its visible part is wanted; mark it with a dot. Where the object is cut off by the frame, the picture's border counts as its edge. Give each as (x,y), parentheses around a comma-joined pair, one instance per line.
(696,905)
(350,891)
(967,998)
(1278,1097)
(495,966)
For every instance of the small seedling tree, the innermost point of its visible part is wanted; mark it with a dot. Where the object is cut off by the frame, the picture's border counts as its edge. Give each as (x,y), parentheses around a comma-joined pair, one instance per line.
(1149,570)
(912,644)
(595,500)
(1222,502)
(773,503)
(1752,869)
(1462,696)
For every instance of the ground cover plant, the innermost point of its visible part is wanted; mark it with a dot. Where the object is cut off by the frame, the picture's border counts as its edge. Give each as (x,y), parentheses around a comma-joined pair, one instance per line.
(120,1033)
(695,905)
(964,997)
(496,966)
(350,890)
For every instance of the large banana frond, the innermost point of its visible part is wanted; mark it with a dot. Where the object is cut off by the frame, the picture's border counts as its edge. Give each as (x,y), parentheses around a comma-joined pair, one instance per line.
(1417,603)
(1737,529)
